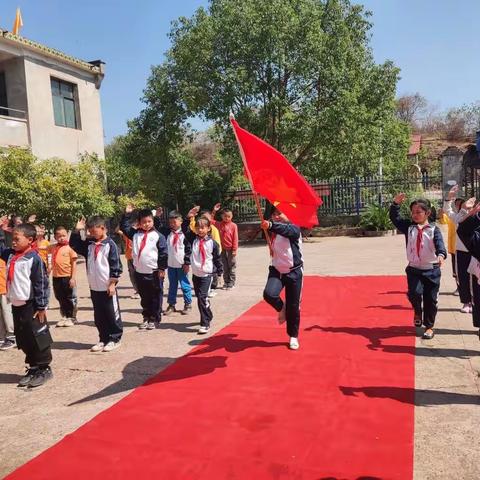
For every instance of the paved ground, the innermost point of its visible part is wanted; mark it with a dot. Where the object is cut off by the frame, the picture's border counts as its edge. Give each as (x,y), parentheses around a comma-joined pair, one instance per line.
(447,421)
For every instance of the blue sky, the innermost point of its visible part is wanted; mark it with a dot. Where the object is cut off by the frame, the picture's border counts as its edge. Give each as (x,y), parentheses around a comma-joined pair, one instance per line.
(435,43)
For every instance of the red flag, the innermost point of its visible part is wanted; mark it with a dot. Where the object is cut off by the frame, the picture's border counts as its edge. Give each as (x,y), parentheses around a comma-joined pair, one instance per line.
(273,176)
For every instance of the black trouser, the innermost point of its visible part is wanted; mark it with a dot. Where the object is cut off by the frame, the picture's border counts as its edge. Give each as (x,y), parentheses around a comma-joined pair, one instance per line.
(202,286)
(229,266)
(292,282)
(463,277)
(454,265)
(108,320)
(475,301)
(36,348)
(150,288)
(423,285)
(66,296)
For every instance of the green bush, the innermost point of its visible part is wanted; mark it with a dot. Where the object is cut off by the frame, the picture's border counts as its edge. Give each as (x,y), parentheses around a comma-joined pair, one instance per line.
(376,218)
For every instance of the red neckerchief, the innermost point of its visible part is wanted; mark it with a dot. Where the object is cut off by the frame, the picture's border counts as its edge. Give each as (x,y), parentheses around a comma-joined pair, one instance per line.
(11,266)
(176,239)
(419,238)
(201,249)
(57,249)
(143,242)
(98,246)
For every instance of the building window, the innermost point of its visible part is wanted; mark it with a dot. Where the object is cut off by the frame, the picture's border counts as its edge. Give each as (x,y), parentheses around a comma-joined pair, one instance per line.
(65,104)
(3,95)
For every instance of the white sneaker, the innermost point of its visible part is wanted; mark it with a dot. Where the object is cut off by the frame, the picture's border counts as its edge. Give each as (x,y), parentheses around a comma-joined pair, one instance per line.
(282,315)
(135,296)
(466,308)
(68,323)
(151,326)
(294,345)
(61,323)
(111,346)
(143,326)
(212,293)
(202,330)
(98,347)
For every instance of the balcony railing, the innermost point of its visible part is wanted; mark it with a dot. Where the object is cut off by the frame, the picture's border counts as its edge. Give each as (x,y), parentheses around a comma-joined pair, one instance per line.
(13,128)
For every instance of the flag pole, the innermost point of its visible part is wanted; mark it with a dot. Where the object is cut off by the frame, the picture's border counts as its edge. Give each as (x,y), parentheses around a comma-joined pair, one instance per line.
(255,195)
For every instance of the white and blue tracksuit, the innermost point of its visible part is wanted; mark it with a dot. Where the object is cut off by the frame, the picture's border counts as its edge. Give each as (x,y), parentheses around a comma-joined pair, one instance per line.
(103,266)
(179,249)
(424,246)
(205,261)
(286,271)
(150,256)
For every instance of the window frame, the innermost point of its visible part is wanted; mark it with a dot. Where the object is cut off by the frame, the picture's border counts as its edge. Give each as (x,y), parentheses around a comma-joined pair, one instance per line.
(64,98)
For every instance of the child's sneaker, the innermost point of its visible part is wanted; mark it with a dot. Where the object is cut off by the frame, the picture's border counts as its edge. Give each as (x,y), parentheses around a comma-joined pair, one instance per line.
(8,343)
(282,315)
(428,334)
(150,325)
(135,296)
(170,309)
(98,347)
(29,374)
(41,376)
(61,322)
(203,329)
(456,292)
(417,320)
(143,326)
(294,345)
(466,308)
(111,346)
(68,323)
(186,309)
(212,293)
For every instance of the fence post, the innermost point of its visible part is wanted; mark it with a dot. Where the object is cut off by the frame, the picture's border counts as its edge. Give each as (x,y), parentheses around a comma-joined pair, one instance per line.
(357,195)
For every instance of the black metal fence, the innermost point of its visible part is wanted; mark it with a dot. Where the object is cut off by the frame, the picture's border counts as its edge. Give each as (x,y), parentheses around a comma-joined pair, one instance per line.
(348,196)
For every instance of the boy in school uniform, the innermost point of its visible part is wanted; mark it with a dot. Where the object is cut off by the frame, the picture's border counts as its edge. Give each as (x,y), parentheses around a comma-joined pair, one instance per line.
(286,271)
(179,250)
(64,269)
(205,260)
(27,290)
(103,272)
(7,335)
(426,253)
(229,241)
(150,259)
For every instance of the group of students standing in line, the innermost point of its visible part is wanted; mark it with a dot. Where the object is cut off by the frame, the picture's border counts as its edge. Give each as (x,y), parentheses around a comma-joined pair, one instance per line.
(182,246)
(426,253)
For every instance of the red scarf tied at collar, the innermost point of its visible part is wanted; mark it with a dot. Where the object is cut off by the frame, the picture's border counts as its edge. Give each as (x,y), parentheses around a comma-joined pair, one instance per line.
(420,238)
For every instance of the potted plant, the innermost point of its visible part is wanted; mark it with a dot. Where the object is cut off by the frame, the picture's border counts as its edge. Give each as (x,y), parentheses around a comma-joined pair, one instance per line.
(375,221)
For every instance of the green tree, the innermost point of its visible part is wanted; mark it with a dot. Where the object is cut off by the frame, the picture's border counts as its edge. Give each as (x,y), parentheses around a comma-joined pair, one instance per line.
(300,74)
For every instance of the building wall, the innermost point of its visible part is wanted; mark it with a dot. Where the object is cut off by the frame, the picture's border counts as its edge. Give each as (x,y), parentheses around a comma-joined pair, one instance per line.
(47,139)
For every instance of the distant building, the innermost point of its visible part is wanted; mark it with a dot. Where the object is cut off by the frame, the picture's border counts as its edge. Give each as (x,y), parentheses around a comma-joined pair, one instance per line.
(49,101)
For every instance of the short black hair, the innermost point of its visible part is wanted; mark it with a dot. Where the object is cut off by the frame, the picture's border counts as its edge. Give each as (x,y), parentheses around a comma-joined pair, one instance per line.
(227,210)
(459,202)
(423,203)
(27,229)
(96,221)
(144,213)
(202,221)
(58,228)
(175,214)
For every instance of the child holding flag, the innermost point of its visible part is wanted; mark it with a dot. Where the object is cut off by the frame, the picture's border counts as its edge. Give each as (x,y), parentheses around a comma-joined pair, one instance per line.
(286,271)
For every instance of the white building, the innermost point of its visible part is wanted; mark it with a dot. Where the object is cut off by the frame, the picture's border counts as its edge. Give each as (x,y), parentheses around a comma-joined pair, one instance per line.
(49,101)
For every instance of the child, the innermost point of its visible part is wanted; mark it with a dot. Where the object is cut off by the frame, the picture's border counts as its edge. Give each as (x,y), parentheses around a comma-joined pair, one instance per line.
(469,233)
(229,238)
(426,254)
(214,234)
(103,271)
(41,244)
(451,239)
(27,287)
(205,259)
(64,269)
(462,255)
(6,320)
(179,250)
(150,257)
(286,271)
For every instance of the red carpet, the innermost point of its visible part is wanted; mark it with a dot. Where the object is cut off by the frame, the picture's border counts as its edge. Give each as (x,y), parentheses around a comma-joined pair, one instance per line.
(242,406)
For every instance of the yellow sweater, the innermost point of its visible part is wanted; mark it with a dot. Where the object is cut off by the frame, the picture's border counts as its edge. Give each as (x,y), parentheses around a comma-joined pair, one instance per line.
(452,233)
